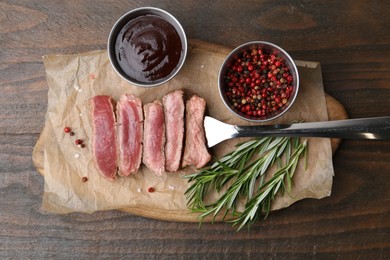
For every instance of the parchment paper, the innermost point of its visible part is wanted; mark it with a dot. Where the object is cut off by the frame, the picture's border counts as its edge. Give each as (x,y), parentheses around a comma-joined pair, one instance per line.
(73,79)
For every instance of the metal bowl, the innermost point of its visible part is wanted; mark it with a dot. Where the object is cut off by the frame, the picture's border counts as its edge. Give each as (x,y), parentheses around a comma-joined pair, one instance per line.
(113,45)
(268,48)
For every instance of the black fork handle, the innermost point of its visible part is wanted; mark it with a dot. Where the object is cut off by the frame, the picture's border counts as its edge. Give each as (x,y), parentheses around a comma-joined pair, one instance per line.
(361,128)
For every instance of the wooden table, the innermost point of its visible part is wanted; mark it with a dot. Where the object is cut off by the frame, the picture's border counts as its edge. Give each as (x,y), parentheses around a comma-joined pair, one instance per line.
(351,39)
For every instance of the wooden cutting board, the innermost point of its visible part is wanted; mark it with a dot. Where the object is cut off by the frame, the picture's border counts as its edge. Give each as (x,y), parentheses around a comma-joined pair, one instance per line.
(335,111)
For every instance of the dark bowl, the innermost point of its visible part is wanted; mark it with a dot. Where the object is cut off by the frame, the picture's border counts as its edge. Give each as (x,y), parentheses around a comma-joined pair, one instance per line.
(277,98)
(130,71)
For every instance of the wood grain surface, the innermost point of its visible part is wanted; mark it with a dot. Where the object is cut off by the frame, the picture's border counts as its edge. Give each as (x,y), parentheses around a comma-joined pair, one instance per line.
(351,40)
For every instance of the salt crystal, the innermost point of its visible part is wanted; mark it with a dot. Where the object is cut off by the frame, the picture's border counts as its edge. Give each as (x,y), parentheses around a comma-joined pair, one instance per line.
(171,187)
(202,66)
(139,190)
(77,156)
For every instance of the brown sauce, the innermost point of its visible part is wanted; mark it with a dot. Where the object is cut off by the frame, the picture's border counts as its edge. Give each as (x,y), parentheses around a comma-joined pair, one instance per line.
(148,48)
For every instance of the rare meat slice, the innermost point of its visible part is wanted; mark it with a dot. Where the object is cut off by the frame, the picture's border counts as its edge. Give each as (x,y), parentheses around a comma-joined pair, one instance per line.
(129,134)
(174,133)
(195,149)
(104,136)
(154,137)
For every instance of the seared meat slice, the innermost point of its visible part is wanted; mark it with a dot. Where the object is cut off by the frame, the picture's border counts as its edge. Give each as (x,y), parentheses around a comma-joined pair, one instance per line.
(195,149)
(154,137)
(129,133)
(174,124)
(104,136)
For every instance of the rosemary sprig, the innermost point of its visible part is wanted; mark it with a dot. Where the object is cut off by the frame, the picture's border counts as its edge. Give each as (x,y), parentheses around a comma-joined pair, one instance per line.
(241,174)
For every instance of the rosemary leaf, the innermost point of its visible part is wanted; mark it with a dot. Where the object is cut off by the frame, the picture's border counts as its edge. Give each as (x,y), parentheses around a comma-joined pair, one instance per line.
(240,176)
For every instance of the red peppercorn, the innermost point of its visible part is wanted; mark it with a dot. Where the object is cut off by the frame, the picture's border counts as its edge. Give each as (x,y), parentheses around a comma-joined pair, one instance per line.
(258,83)
(67,129)
(84,179)
(82,145)
(150,189)
(78,141)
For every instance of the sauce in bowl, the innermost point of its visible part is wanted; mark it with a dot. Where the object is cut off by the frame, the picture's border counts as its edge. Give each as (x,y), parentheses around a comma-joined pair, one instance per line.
(148,48)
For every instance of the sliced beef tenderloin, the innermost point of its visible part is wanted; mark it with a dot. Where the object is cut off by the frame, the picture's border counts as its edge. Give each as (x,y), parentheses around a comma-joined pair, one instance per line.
(129,133)
(154,137)
(104,146)
(195,149)
(174,133)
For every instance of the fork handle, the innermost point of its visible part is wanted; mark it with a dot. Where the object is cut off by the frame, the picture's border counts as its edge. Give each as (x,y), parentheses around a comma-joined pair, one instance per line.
(361,128)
